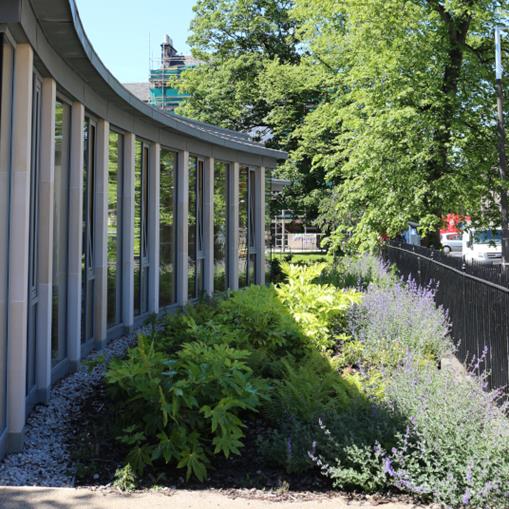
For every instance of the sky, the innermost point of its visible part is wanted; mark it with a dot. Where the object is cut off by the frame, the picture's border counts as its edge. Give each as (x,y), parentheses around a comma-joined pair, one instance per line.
(120,31)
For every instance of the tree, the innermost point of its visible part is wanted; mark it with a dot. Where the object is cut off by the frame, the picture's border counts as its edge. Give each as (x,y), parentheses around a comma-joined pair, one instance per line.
(410,124)
(386,106)
(234,39)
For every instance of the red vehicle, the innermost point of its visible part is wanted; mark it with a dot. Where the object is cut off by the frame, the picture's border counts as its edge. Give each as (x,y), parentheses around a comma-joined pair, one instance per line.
(452,223)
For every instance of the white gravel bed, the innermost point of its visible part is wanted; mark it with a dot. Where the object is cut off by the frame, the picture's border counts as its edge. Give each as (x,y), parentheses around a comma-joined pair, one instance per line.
(45,459)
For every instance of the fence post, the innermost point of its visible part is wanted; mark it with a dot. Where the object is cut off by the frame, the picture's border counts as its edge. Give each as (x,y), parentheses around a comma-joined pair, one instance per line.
(463,307)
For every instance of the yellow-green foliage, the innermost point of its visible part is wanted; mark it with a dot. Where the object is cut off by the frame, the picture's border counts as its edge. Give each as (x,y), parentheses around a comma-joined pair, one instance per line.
(320,309)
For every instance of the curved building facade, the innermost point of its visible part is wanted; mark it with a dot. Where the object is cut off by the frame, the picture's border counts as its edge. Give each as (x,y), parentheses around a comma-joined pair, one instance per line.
(110,210)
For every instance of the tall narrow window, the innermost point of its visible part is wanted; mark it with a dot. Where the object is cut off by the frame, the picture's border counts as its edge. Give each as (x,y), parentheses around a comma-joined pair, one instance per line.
(167,235)
(196,258)
(200,253)
(247,226)
(268,224)
(251,267)
(115,174)
(33,240)
(6,97)
(60,213)
(141,260)
(221,171)
(243,225)
(87,255)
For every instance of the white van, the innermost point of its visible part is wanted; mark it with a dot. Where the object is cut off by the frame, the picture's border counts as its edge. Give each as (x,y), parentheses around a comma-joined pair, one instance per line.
(482,246)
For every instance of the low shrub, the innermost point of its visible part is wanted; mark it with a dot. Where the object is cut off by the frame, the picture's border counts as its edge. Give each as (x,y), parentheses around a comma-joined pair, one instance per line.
(452,450)
(456,447)
(394,320)
(186,408)
(358,272)
(263,325)
(319,309)
(309,391)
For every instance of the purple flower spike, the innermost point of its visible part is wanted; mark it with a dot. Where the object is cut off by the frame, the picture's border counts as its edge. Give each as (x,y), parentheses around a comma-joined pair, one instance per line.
(388,468)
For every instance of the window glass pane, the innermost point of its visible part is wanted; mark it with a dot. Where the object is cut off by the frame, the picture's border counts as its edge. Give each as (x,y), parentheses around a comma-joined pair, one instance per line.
(252,209)
(252,269)
(144,233)
(60,208)
(137,226)
(33,239)
(220,225)
(268,225)
(167,228)
(87,256)
(243,225)
(141,265)
(115,174)
(193,162)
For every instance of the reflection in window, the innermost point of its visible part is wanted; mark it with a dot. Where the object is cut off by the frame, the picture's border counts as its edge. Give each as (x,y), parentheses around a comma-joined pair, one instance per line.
(252,228)
(33,239)
(268,224)
(60,208)
(167,223)
(115,173)
(141,262)
(247,226)
(221,171)
(191,254)
(196,262)
(87,256)
(243,225)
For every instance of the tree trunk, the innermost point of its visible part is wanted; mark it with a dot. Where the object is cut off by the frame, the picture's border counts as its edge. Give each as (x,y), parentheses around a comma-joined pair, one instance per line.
(457,27)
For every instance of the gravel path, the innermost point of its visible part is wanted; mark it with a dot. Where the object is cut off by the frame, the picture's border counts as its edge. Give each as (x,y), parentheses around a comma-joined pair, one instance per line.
(45,459)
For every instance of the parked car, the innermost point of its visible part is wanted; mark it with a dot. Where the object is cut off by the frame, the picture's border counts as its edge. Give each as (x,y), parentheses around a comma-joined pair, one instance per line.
(452,241)
(482,246)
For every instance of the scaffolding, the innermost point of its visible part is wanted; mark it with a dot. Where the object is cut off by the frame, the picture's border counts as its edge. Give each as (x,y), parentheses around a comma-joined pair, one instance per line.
(163,76)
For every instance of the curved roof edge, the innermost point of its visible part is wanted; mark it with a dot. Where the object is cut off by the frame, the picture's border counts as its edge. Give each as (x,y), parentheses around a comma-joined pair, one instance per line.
(60,20)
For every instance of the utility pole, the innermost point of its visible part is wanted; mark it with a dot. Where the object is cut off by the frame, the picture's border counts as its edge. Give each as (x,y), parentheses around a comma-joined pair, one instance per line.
(501,149)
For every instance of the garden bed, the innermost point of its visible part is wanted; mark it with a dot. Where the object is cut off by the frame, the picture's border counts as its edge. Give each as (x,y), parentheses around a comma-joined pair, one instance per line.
(328,382)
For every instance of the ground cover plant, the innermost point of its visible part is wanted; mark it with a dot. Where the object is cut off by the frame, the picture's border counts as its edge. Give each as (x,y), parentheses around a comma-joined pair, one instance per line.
(335,371)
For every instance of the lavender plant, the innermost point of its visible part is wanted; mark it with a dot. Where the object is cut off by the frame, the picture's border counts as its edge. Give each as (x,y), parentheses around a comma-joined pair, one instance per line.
(453,450)
(393,320)
(456,448)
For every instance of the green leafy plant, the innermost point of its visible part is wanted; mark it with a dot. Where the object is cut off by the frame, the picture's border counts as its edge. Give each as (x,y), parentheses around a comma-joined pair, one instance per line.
(320,309)
(125,478)
(263,325)
(186,408)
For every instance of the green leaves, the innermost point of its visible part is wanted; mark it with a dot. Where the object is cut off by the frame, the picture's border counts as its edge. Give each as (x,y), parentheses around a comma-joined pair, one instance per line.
(188,406)
(319,309)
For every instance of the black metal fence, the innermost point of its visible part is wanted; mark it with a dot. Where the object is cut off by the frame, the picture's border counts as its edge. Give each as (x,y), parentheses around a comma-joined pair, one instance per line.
(476,298)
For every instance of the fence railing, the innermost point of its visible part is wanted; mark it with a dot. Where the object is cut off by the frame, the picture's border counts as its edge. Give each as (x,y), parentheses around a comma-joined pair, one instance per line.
(476,299)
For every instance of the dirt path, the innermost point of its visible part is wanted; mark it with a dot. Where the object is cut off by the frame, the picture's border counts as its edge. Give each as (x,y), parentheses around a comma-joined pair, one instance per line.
(69,498)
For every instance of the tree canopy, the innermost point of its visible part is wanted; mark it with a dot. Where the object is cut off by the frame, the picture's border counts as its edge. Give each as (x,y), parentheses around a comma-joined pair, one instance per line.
(387,107)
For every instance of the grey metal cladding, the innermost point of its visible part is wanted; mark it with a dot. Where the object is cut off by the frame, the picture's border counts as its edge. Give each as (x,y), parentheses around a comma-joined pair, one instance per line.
(60,22)
(10,11)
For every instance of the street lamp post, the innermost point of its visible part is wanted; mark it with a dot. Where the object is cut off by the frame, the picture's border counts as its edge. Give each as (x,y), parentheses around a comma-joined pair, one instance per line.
(501,149)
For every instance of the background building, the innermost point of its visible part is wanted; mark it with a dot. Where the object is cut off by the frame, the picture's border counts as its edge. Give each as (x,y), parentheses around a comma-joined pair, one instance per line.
(161,90)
